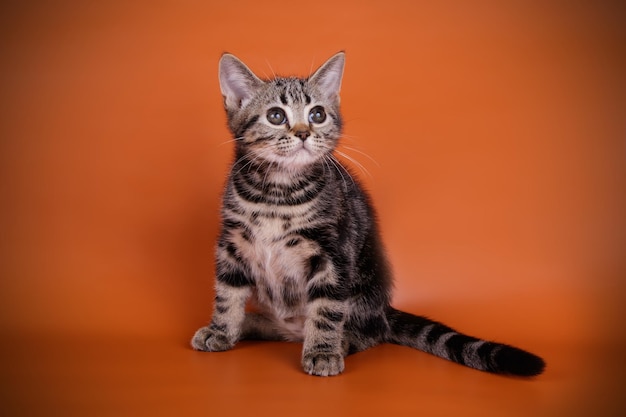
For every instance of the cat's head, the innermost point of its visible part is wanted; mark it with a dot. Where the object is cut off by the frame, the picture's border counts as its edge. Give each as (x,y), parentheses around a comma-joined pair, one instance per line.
(287,122)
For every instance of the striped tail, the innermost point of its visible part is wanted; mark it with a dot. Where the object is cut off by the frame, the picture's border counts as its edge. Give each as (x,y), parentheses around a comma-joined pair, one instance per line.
(440,340)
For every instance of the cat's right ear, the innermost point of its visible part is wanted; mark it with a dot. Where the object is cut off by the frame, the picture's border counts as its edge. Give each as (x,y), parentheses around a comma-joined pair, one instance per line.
(328,76)
(237,82)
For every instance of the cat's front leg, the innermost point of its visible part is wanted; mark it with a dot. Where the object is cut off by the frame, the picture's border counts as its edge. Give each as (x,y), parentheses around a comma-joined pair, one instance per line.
(228,316)
(323,350)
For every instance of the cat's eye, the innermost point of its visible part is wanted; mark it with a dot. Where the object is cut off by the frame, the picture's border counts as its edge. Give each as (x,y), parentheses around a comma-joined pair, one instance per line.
(317,115)
(276,116)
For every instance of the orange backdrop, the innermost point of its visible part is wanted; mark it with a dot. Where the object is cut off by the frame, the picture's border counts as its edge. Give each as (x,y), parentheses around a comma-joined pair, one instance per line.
(492,136)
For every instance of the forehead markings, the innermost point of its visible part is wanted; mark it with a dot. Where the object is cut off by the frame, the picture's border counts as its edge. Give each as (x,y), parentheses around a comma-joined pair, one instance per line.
(292,91)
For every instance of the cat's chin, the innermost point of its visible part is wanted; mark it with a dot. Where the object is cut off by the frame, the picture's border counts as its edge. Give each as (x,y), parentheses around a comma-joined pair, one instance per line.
(299,159)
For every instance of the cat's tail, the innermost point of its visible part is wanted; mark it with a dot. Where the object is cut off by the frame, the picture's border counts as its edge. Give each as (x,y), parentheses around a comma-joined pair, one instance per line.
(440,340)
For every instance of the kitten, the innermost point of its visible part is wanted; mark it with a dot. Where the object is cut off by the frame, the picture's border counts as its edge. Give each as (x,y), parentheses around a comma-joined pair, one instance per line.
(299,238)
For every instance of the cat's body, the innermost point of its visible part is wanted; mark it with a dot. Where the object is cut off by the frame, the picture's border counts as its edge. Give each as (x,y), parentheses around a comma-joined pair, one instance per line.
(299,238)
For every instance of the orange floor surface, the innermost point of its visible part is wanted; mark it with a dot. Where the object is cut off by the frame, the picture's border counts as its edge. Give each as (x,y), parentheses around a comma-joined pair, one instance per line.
(491,135)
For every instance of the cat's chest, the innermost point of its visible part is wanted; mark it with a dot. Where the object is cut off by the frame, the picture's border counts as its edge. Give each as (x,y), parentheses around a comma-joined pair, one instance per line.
(274,249)
(270,246)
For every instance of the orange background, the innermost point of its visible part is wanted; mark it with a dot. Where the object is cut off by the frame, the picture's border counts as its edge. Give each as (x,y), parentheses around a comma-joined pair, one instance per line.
(496,142)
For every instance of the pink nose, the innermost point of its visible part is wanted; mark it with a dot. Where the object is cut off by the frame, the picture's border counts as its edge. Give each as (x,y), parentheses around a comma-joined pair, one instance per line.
(302,134)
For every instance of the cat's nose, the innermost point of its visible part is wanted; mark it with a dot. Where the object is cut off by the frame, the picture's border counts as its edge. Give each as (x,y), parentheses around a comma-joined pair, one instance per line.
(302,134)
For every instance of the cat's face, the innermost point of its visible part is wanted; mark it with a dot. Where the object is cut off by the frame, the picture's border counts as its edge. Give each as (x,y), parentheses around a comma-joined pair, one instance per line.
(288,123)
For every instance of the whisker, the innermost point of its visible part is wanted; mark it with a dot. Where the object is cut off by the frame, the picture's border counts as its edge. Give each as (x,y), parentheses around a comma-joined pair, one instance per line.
(260,166)
(271,69)
(230,141)
(362,153)
(355,162)
(347,171)
(251,161)
(325,165)
(349,138)
(340,168)
(312,63)
(267,171)
(330,159)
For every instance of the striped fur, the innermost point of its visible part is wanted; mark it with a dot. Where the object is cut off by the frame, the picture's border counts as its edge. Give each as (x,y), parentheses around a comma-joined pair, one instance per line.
(299,238)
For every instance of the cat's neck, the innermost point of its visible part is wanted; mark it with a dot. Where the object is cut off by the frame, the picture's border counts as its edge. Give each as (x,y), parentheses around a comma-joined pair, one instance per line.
(264,174)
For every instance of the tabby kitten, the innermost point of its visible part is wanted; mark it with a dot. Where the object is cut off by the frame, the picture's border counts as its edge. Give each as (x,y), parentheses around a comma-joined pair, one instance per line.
(299,238)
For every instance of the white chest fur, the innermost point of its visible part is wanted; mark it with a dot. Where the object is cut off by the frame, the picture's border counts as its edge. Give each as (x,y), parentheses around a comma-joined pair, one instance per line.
(279,261)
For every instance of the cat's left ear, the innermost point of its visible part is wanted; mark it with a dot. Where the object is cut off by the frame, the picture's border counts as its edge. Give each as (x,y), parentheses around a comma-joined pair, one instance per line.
(328,77)
(237,82)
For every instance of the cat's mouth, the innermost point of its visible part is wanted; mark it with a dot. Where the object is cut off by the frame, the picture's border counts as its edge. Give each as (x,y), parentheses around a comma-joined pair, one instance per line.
(302,153)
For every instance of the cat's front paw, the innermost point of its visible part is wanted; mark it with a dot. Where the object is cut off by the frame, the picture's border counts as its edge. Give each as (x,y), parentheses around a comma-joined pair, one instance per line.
(207,339)
(322,363)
